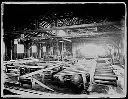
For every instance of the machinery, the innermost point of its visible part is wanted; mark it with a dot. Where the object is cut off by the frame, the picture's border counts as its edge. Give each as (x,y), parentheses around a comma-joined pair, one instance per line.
(73,79)
(11,68)
(63,76)
(30,73)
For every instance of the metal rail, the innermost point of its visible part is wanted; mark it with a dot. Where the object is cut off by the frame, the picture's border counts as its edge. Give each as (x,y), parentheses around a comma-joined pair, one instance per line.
(23,91)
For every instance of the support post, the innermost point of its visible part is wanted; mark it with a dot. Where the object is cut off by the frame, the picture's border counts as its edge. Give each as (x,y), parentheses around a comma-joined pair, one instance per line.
(39,50)
(11,49)
(62,51)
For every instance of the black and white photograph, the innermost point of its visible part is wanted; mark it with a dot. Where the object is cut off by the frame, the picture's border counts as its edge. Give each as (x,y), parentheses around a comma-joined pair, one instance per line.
(63,49)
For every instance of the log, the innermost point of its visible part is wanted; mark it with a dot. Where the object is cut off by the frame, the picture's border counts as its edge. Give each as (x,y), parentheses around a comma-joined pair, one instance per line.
(109,75)
(106,82)
(105,78)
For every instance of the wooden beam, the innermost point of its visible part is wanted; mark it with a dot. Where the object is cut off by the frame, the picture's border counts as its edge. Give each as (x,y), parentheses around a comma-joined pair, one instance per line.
(41,84)
(44,30)
(66,27)
(79,26)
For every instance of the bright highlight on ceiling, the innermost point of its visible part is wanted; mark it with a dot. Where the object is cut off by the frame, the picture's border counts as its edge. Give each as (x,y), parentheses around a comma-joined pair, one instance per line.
(61,33)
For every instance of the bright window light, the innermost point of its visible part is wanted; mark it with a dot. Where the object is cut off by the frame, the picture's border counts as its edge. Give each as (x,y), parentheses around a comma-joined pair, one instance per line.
(34,49)
(92,50)
(20,48)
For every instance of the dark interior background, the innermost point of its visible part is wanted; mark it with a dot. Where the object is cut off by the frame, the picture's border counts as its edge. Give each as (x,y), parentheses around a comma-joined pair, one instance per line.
(20,15)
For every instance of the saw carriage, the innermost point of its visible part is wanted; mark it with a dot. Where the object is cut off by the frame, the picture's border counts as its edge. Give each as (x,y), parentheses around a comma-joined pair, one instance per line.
(58,75)
(53,73)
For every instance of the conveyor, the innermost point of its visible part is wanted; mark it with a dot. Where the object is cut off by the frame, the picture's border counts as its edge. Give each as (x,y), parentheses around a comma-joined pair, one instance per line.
(104,74)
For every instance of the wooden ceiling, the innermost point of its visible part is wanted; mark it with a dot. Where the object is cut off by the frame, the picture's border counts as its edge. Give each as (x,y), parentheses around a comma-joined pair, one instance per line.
(84,30)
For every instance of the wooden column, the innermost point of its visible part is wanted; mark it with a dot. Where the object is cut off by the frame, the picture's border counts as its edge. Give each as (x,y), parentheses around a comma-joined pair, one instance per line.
(28,49)
(39,50)
(58,53)
(62,51)
(11,48)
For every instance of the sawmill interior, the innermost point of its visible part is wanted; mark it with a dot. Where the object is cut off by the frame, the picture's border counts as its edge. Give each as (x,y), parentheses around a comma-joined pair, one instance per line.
(63,49)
